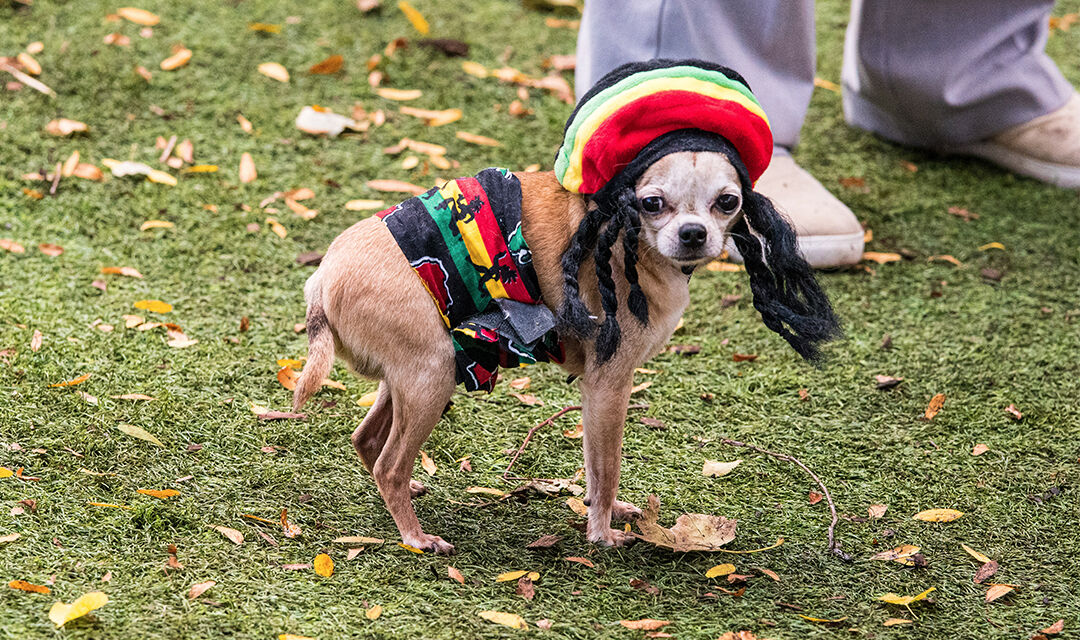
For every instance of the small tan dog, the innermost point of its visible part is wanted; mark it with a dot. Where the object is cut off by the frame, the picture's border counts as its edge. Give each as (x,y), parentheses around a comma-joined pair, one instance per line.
(679,205)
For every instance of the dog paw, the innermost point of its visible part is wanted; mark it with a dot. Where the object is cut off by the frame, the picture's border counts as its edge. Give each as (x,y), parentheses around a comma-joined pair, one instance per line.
(417,489)
(429,543)
(612,538)
(625,512)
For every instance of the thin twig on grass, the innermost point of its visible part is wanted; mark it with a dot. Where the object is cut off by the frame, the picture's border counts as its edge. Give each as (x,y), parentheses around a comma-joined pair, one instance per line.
(558,414)
(27,80)
(832,546)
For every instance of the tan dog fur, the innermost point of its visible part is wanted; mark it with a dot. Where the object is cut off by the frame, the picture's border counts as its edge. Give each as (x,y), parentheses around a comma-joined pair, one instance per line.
(365,281)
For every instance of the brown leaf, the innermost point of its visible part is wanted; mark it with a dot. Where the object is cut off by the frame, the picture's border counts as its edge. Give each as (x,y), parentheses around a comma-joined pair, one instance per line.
(645,624)
(887,382)
(232,534)
(51,250)
(994,275)
(199,589)
(881,258)
(525,588)
(963,213)
(1055,628)
(23,585)
(684,349)
(744,357)
(395,186)
(877,510)
(988,569)
(996,591)
(979,449)
(692,531)
(473,138)
(65,127)
(520,384)
(945,258)
(527,399)
(288,376)
(448,46)
(936,403)
(281,415)
(1013,412)
(899,553)
(247,168)
(544,542)
(427,463)
(815,497)
(454,574)
(855,183)
(651,423)
(178,59)
(333,64)
(580,560)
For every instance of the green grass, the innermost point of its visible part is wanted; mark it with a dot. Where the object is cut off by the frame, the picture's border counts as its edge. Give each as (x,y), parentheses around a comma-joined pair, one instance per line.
(984,344)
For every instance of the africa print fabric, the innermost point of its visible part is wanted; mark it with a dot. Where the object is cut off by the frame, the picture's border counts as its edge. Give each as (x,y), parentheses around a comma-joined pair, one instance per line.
(464,241)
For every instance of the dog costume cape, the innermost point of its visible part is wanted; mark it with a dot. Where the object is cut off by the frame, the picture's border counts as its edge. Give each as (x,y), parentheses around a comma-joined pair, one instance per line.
(464,241)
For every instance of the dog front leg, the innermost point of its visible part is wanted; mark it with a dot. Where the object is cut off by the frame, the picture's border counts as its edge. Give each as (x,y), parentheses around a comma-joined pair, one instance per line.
(605,395)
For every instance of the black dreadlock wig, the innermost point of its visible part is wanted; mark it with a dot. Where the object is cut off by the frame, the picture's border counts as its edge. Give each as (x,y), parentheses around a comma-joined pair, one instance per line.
(785,292)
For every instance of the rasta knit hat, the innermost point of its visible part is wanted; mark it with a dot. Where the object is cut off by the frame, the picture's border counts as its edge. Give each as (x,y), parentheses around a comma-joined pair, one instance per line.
(639,102)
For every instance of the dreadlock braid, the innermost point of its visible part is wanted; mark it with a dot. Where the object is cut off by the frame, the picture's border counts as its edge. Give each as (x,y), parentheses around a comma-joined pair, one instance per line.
(631,223)
(574,314)
(608,339)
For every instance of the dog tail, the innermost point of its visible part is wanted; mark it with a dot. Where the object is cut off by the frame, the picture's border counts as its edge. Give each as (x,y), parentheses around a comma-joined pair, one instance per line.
(320,348)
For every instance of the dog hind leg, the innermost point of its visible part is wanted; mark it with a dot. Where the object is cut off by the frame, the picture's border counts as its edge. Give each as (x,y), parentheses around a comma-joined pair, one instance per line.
(370,437)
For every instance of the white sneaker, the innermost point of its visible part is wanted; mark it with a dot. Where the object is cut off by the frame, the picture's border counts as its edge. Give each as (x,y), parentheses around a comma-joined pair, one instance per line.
(829,234)
(1046,148)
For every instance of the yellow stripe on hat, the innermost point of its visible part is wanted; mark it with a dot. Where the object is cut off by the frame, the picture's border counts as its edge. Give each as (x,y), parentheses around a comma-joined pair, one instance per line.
(573,178)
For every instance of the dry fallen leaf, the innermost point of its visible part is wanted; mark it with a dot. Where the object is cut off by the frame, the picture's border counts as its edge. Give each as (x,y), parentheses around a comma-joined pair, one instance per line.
(415,18)
(899,553)
(645,624)
(1055,628)
(454,574)
(62,613)
(179,58)
(318,120)
(985,571)
(29,63)
(427,463)
(12,246)
(156,224)
(893,598)
(506,619)
(359,540)
(892,622)
(715,469)
(289,529)
(11,537)
(374,612)
(23,585)
(876,510)
(333,64)
(288,376)
(140,433)
(577,506)
(396,186)
(473,138)
(527,399)
(1013,412)
(881,258)
(274,71)
(368,399)
(365,205)
(247,168)
(720,570)
(510,576)
(887,382)
(433,118)
(979,449)
(936,403)
(199,589)
(138,16)
(160,494)
(35,341)
(74,381)
(975,554)
(692,531)
(65,127)
(324,565)
(996,591)
(937,515)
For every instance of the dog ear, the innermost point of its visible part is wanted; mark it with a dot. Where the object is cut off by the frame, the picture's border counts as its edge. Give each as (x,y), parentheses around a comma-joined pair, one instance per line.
(787,296)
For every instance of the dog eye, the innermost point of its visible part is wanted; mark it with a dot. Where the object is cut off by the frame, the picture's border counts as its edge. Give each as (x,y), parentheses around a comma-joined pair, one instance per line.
(728,202)
(652,204)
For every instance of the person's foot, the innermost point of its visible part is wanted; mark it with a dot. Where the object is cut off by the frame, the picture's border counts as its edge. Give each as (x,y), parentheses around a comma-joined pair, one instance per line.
(829,234)
(1046,148)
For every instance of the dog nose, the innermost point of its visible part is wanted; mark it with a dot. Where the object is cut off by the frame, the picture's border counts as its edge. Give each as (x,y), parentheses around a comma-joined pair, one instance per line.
(692,235)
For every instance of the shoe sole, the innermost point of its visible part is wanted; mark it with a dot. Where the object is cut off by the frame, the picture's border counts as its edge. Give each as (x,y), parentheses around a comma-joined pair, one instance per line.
(1056,174)
(822,252)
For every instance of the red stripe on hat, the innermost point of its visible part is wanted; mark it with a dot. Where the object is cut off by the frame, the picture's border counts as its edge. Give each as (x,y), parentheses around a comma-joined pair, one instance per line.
(618,140)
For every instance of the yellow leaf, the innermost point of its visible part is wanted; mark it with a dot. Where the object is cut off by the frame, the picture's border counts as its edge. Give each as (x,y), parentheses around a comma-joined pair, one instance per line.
(506,619)
(160,177)
(365,205)
(474,69)
(69,165)
(154,306)
(996,591)
(359,540)
(264,27)
(399,95)
(247,168)
(176,60)
(27,61)
(895,621)
(374,612)
(156,224)
(491,492)
(824,620)
(201,168)
(324,565)
(289,636)
(232,534)
(62,613)
(74,381)
(290,362)
(510,576)
(714,469)
(881,258)
(409,547)
(720,570)
(23,585)
(433,118)
(899,553)
(368,399)
(945,258)
(160,494)
(7,473)
(975,554)
(533,576)
(477,139)
(110,506)
(938,515)
(138,16)
(645,624)
(274,71)
(427,463)
(728,267)
(415,18)
(892,598)
(992,245)
(577,506)
(828,85)
(140,433)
